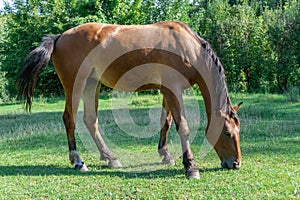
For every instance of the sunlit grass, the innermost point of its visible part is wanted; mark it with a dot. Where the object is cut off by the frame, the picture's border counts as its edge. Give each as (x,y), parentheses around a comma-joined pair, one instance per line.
(34,155)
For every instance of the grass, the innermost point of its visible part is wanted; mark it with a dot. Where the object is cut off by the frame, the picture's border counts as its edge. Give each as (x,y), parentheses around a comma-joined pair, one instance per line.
(34,154)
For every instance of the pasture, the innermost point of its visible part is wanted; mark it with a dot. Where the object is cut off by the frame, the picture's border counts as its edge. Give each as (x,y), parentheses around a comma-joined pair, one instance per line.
(34,155)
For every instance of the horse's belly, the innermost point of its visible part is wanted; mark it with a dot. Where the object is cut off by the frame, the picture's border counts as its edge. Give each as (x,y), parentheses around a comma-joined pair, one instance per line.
(138,78)
(144,77)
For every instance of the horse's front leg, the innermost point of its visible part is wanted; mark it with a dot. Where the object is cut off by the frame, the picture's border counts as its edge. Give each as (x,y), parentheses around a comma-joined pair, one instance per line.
(90,98)
(166,121)
(175,103)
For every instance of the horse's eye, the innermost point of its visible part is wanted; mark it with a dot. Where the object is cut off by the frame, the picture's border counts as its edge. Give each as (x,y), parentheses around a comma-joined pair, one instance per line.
(226,133)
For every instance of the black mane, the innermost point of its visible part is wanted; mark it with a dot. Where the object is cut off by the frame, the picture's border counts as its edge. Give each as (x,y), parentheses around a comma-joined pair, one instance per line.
(216,60)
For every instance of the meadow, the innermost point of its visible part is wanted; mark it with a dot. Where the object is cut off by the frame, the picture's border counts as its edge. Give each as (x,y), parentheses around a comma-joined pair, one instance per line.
(34,153)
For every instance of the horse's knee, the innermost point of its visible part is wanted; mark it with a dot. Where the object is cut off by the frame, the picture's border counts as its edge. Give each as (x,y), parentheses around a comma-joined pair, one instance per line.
(89,120)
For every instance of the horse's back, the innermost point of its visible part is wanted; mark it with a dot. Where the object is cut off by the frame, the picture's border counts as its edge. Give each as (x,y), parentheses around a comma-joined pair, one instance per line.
(76,44)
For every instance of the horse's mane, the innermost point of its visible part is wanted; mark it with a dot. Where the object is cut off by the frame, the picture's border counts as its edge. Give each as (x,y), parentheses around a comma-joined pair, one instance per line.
(216,62)
(207,47)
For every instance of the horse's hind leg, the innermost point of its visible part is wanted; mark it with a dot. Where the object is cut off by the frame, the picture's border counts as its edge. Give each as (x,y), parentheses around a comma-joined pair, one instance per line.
(90,98)
(166,121)
(69,121)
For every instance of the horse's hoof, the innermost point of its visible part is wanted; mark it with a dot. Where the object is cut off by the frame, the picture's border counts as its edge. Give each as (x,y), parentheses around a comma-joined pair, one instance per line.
(168,161)
(114,163)
(83,168)
(192,173)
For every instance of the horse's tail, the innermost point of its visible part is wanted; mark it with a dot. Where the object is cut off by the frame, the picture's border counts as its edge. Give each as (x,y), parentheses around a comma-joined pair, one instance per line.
(35,62)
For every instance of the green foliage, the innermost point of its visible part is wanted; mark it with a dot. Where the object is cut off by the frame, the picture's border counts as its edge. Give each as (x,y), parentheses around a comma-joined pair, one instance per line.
(257,41)
(28,23)
(284,30)
(3,80)
(161,10)
(293,94)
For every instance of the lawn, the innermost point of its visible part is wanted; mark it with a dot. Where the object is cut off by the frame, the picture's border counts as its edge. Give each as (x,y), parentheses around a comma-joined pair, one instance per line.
(34,153)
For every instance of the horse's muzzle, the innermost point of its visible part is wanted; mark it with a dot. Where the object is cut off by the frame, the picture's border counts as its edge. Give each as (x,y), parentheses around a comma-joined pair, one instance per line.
(231,164)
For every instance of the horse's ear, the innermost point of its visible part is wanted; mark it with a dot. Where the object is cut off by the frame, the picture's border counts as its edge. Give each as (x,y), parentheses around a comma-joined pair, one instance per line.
(237,107)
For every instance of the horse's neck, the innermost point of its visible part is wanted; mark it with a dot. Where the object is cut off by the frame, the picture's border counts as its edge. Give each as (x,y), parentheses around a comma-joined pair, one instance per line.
(214,102)
(214,90)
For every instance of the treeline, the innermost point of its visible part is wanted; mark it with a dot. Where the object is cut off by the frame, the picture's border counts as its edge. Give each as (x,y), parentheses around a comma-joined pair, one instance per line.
(258,41)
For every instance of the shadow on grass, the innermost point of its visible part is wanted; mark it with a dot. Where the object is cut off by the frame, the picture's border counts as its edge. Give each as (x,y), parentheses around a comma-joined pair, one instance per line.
(162,173)
(52,170)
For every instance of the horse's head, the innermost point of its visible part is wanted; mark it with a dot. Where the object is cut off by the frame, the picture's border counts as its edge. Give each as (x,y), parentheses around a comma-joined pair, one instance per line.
(228,144)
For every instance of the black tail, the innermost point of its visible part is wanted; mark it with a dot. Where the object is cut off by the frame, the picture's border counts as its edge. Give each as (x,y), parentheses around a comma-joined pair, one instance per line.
(36,61)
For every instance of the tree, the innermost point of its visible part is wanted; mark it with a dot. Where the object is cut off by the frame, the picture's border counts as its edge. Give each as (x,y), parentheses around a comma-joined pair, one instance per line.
(283,33)
(3,81)
(27,23)
(238,32)
(246,49)
(123,11)
(257,41)
(161,10)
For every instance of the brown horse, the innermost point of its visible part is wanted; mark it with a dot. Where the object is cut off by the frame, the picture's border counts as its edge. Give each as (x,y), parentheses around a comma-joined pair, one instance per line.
(167,56)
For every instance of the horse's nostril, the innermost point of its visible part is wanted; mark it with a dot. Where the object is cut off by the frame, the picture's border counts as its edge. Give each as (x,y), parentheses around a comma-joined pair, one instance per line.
(224,165)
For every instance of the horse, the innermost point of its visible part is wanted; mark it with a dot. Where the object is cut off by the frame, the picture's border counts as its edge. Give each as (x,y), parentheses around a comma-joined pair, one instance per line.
(167,56)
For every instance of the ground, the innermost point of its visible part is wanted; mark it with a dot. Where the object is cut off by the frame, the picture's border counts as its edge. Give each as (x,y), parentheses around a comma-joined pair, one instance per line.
(34,154)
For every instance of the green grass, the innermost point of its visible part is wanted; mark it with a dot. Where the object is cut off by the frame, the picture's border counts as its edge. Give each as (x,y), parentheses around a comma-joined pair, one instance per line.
(34,155)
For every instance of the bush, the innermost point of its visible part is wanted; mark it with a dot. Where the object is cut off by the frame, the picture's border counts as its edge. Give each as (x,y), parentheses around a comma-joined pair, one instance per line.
(292,94)
(258,42)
